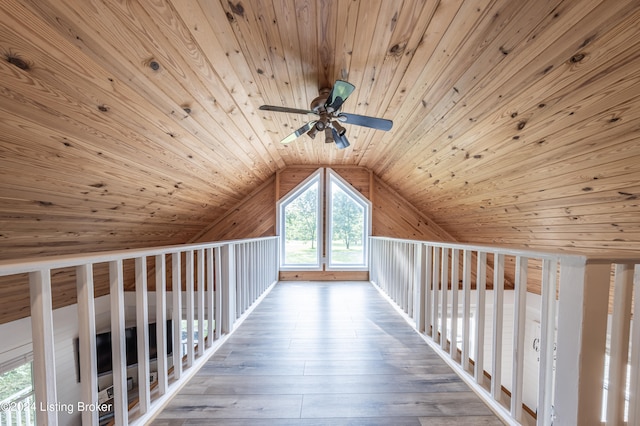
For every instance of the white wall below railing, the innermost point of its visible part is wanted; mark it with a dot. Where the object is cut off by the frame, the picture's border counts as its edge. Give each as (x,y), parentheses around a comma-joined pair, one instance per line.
(569,380)
(219,293)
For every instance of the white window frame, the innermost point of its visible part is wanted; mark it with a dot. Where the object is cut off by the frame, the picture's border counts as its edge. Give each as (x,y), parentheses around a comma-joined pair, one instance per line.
(317,176)
(335,178)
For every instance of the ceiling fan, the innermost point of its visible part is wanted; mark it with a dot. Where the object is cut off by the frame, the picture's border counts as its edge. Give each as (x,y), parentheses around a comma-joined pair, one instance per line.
(327,108)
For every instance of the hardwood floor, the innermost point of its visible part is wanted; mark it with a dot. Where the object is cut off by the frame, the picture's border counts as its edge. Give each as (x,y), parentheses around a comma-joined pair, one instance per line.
(325,353)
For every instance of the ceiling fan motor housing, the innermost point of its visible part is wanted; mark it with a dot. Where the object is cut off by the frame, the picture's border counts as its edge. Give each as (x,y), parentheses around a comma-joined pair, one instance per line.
(318,103)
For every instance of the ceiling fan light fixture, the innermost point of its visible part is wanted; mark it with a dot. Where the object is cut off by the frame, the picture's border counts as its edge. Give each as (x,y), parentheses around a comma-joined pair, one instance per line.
(313,132)
(340,129)
(328,136)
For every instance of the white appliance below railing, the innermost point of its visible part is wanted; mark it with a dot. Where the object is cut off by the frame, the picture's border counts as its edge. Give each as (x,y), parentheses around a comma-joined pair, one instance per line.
(572,345)
(223,280)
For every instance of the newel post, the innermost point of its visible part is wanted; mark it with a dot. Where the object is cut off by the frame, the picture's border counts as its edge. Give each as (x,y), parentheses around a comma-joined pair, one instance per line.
(582,333)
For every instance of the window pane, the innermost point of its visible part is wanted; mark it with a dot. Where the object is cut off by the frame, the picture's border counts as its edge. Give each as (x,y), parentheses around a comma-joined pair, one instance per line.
(17,396)
(347,228)
(301,228)
(16,382)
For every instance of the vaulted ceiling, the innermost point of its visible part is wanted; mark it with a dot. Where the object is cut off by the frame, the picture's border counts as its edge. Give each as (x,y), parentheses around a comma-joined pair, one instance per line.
(136,123)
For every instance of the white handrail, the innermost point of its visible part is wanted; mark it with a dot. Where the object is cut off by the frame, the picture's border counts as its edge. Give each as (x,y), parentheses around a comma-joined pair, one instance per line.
(221,279)
(569,383)
(11,267)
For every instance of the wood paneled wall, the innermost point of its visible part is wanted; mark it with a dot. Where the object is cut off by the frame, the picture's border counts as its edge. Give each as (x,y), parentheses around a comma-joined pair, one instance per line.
(253,217)
(394,216)
(14,290)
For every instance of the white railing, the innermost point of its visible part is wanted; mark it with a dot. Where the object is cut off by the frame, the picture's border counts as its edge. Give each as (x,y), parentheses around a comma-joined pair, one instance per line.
(222,281)
(487,346)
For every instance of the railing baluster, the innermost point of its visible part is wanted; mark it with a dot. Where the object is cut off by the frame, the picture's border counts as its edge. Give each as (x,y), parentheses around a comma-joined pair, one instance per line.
(404,283)
(387,273)
(190,306)
(398,282)
(634,362)
(519,316)
(243,284)
(455,268)
(259,275)
(201,284)
(249,283)
(547,342)
(252,274)
(481,288)
(413,283)
(44,370)
(118,354)
(498,309)
(619,352)
(176,299)
(373,260)
(218,291)
(239,280)
(444,279)
(87,342)
(392,279)
(210,297)
(418,289)
(428,277)
(246,286)
(255,254)
(142,334)
(161,324)
(466,307)
(385,267)
(435,299)
(228,287)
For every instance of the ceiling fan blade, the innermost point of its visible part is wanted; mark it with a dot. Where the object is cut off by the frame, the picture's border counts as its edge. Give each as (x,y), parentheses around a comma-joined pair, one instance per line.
(301,131)
(363,120)
(285,109)
(340,92)
(341,140)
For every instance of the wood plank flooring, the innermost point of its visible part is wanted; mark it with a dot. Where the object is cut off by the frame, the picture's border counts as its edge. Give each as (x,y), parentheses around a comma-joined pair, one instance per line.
(325,353)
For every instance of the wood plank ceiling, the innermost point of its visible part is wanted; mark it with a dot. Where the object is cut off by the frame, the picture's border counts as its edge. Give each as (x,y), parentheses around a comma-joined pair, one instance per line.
(136,123)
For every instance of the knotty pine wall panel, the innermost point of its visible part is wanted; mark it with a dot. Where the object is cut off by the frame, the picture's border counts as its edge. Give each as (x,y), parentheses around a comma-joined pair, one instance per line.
(394,216)
(253,217)
(14,289)
(291,177)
